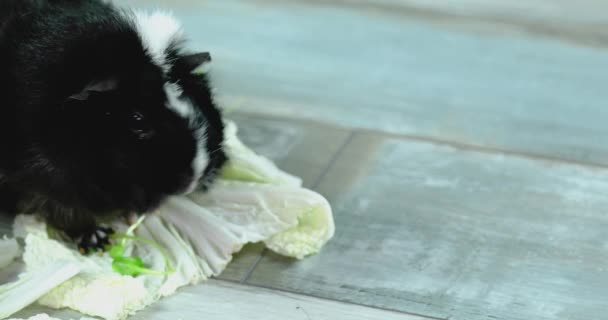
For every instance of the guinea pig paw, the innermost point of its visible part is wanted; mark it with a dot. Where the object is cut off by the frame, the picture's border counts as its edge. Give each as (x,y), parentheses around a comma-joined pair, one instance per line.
(95,240)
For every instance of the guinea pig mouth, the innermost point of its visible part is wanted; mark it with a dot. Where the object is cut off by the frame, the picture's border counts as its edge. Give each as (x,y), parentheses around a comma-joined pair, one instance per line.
(145,201)
(182,184)
(191,185)
(195,184)
(149,198)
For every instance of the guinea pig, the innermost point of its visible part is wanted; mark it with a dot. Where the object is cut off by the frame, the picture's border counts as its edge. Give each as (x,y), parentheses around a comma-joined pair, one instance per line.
(101,114)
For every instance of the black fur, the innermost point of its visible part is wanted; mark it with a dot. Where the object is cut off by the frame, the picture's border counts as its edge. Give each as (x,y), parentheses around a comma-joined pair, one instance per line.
(75,156)
(198,90)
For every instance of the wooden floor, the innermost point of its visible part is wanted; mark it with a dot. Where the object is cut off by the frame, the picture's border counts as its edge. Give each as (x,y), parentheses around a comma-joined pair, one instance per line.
(462,144)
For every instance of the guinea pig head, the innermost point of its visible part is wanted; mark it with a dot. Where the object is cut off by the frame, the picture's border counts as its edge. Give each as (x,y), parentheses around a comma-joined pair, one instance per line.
(126,133)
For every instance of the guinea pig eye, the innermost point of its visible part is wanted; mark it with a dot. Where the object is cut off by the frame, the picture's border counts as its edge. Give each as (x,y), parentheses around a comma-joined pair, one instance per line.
(140,126)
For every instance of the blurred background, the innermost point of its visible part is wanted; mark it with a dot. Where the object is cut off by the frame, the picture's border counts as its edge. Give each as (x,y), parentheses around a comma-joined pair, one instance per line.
(462,144)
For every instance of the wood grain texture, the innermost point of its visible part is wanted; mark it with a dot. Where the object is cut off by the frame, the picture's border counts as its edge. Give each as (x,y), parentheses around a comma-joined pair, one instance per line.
(583,18)
(485,86)
(225,301)
(459,235)
(302,148)
(217,300)
(582,22)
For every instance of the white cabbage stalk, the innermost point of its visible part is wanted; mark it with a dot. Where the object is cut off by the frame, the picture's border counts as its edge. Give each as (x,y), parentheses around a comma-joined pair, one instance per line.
(292,221)
(34,284)
(97,290)
(246,165)
(253,201)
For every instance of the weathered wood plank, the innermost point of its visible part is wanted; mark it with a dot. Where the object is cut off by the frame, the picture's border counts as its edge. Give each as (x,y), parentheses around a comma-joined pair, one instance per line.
(583,18)
(579,22)
(220,300)
(373,69)
(217,300)
(298,147)
(455,234)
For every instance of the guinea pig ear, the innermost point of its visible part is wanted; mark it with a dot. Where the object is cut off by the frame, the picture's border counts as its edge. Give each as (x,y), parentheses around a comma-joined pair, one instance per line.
(97,86)
(191,62)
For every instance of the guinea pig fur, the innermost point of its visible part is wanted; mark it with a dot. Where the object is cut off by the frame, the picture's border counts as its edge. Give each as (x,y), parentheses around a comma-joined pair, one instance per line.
(100,113)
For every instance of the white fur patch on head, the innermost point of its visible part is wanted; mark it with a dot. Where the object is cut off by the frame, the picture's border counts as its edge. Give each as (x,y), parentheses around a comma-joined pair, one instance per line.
(186,110)
(157,31)
(182,107)
(201,159)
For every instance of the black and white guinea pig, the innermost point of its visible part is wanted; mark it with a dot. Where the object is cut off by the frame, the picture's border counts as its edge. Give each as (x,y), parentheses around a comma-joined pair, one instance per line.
(100,113)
